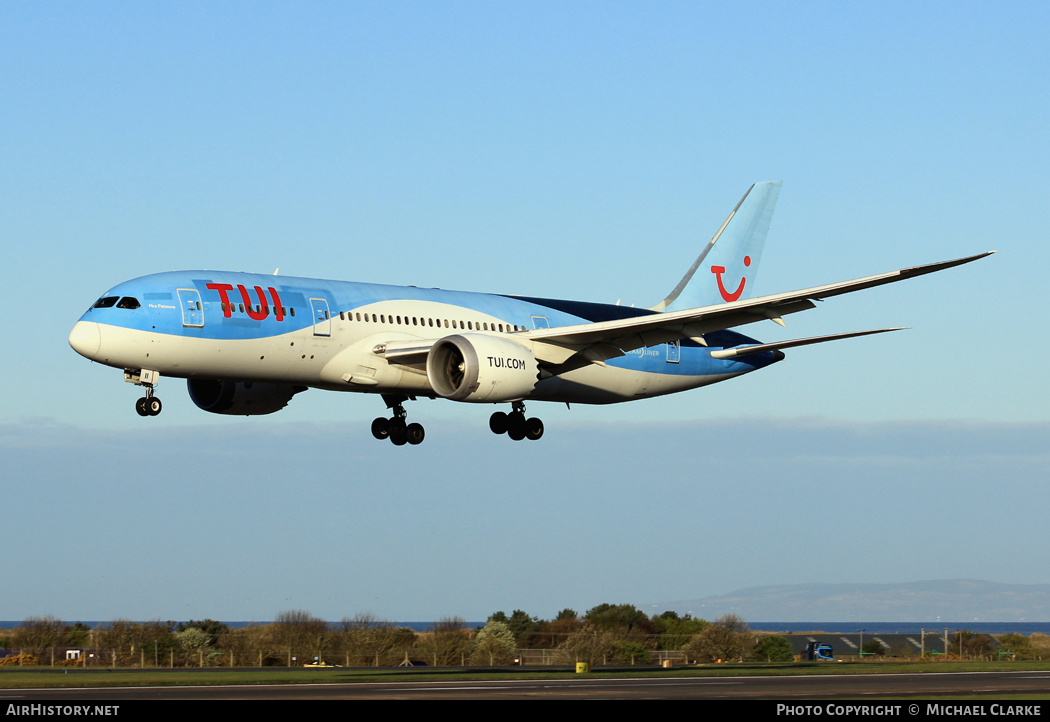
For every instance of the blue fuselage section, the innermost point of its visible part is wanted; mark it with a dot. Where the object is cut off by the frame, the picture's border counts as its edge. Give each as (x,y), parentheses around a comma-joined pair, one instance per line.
(216,324)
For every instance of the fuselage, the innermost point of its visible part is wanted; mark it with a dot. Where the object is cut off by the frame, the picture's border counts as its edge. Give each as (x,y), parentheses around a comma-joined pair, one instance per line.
(330,334)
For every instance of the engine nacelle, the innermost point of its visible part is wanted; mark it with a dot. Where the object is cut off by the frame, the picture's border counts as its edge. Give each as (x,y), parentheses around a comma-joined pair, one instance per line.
(240,398)
(479,368)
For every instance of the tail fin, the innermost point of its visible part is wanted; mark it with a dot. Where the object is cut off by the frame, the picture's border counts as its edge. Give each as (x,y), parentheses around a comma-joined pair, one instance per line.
(729,268)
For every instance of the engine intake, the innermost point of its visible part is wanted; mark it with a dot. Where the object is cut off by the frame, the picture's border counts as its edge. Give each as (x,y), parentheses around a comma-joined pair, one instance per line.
(481,369)
(240,398)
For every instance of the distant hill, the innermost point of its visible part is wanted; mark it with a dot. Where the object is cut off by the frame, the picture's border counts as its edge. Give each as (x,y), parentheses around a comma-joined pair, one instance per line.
(951,599)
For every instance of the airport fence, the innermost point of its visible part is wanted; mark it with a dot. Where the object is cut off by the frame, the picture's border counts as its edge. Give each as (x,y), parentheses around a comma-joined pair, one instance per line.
(144,658)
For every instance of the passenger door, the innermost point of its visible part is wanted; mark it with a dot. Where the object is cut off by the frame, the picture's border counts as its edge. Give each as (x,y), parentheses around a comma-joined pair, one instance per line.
(192,310)
(322,318)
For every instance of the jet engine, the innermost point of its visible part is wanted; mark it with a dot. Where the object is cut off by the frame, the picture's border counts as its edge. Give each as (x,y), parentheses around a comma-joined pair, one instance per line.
(240,398)
(479,368)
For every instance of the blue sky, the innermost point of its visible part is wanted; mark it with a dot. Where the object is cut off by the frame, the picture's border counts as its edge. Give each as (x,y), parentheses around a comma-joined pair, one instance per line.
(581,150)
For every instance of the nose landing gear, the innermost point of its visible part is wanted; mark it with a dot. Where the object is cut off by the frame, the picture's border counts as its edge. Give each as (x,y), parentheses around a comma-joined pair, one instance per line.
(148,405)
(515,425)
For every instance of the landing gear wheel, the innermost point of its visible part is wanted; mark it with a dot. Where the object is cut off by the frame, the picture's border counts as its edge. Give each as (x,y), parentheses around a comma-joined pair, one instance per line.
(395,428)
(516,426)
(533,429)
(414,433)
(153,406)
(380,428)
(140,406)
(498,423)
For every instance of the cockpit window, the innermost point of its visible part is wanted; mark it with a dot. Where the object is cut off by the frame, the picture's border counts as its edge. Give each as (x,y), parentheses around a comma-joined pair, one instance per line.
(128,302)
(105,302)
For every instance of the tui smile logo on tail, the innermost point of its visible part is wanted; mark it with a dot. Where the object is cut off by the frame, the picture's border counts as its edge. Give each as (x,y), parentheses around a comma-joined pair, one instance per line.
(719,270)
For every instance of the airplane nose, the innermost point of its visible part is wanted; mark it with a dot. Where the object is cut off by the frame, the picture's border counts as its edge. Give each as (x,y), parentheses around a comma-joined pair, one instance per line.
(85,338)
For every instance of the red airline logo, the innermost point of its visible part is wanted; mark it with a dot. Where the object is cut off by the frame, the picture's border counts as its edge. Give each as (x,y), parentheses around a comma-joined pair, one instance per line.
(719,270)
(263,308)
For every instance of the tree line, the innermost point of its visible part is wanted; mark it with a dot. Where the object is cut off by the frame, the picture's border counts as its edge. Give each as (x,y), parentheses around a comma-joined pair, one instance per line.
(605,634)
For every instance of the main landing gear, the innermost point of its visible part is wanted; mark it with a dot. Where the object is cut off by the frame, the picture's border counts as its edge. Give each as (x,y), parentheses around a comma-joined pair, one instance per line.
(515,425)
(395,427)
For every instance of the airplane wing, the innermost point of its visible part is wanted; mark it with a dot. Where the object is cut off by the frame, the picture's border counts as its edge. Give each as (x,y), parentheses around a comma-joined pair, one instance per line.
(609,339)
(600,341)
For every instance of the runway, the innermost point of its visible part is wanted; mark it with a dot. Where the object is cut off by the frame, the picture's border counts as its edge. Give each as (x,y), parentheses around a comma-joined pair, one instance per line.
(809,687)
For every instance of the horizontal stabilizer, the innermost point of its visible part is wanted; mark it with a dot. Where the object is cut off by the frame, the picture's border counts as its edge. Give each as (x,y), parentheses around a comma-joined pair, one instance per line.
(748,350)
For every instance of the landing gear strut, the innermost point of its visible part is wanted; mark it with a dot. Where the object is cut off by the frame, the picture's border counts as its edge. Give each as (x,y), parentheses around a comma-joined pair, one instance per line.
(395,427)
(515,425)
(148,405)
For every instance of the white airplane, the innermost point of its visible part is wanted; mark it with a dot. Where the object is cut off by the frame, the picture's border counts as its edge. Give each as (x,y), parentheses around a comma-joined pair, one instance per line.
(247,343)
